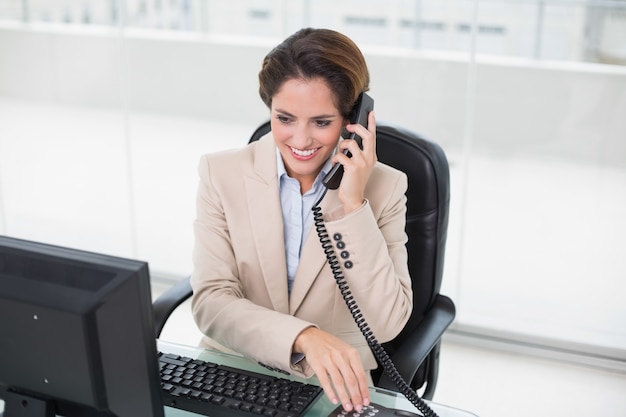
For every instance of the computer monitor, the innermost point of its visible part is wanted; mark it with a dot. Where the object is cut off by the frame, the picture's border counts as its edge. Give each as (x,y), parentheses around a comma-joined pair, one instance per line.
(76,334)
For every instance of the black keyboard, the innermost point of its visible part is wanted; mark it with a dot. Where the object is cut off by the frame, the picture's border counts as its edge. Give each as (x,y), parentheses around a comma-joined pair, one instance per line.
(221,391)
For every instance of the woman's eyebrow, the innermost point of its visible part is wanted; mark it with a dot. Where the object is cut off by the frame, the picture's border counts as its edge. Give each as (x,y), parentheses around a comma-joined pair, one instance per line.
(325,116)
(321,116)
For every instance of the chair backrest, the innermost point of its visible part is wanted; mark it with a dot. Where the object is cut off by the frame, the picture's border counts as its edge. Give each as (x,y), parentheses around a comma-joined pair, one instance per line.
(428,199)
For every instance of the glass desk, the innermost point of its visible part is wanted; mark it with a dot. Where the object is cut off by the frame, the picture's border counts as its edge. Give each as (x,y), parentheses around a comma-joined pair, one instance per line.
(322,406)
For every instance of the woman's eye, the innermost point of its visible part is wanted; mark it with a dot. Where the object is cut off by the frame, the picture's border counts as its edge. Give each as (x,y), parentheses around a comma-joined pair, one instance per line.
(322,123)
(283,119)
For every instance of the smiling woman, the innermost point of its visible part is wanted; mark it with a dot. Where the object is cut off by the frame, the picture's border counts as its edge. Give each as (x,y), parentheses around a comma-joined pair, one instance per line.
(261,283)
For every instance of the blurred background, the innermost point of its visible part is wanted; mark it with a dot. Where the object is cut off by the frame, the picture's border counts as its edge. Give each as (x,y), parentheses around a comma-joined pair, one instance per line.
(107,105)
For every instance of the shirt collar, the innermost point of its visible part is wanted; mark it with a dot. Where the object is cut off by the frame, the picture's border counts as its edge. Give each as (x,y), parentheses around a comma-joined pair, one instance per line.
(282,171)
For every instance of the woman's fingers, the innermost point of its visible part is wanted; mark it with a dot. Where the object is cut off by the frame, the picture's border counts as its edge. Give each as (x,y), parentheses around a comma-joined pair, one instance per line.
(337,366)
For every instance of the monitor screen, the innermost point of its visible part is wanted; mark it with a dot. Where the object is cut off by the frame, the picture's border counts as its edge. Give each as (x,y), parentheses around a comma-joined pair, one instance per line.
(76,333)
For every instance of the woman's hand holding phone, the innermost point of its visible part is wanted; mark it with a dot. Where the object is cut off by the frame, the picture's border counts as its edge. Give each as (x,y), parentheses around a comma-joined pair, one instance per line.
(357,168)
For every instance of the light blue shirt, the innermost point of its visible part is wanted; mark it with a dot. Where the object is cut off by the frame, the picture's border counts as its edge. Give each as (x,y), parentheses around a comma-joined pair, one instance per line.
(297,214)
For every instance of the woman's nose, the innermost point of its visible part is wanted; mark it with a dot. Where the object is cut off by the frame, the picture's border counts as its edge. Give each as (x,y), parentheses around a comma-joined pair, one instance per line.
(302,136)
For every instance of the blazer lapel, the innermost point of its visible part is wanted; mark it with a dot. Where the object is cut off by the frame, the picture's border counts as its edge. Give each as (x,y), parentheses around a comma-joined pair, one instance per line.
(312,259)
(267,223)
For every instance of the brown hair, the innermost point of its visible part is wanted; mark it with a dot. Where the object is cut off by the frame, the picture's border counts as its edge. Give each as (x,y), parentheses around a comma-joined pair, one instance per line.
(316,53)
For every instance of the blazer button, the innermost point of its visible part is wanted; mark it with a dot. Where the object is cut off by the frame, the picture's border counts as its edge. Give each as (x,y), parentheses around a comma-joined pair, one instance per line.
(337,236)
(348,264)
(345,254)
(341,244)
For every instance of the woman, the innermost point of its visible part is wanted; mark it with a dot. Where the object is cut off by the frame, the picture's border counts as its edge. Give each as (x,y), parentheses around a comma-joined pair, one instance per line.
(261,283)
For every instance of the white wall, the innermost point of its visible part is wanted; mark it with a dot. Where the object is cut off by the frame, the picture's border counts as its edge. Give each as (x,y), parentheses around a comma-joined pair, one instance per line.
(211,78)
(192,75)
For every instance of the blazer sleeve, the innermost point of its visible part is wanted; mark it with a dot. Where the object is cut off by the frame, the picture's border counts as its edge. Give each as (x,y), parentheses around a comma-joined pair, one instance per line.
(373,254)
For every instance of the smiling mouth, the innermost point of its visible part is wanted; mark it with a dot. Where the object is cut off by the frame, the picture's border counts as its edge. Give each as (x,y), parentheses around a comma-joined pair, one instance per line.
(303,153)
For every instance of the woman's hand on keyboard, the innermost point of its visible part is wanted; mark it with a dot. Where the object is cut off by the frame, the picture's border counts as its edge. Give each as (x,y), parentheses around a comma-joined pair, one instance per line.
(337,366)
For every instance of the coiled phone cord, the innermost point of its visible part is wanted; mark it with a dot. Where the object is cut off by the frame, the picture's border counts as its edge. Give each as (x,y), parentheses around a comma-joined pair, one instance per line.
(378,351)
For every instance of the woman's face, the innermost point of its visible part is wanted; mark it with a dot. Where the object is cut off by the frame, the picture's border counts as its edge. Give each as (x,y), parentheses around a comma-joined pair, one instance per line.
(306,127)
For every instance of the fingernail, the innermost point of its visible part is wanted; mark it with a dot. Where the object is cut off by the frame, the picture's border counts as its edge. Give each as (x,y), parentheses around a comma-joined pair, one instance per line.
(347,407)
(366,401)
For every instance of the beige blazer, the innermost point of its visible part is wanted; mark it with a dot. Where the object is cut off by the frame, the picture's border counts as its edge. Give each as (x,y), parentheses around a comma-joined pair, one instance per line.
(240,299)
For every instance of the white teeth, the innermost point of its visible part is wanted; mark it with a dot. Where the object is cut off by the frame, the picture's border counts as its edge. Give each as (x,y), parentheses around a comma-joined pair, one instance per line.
(299,152)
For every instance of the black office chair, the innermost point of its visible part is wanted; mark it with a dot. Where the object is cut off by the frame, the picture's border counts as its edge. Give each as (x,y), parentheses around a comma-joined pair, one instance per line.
(415,351)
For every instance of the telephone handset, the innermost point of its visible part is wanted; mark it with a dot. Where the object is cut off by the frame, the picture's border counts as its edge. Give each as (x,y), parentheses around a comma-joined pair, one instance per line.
(358,115)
